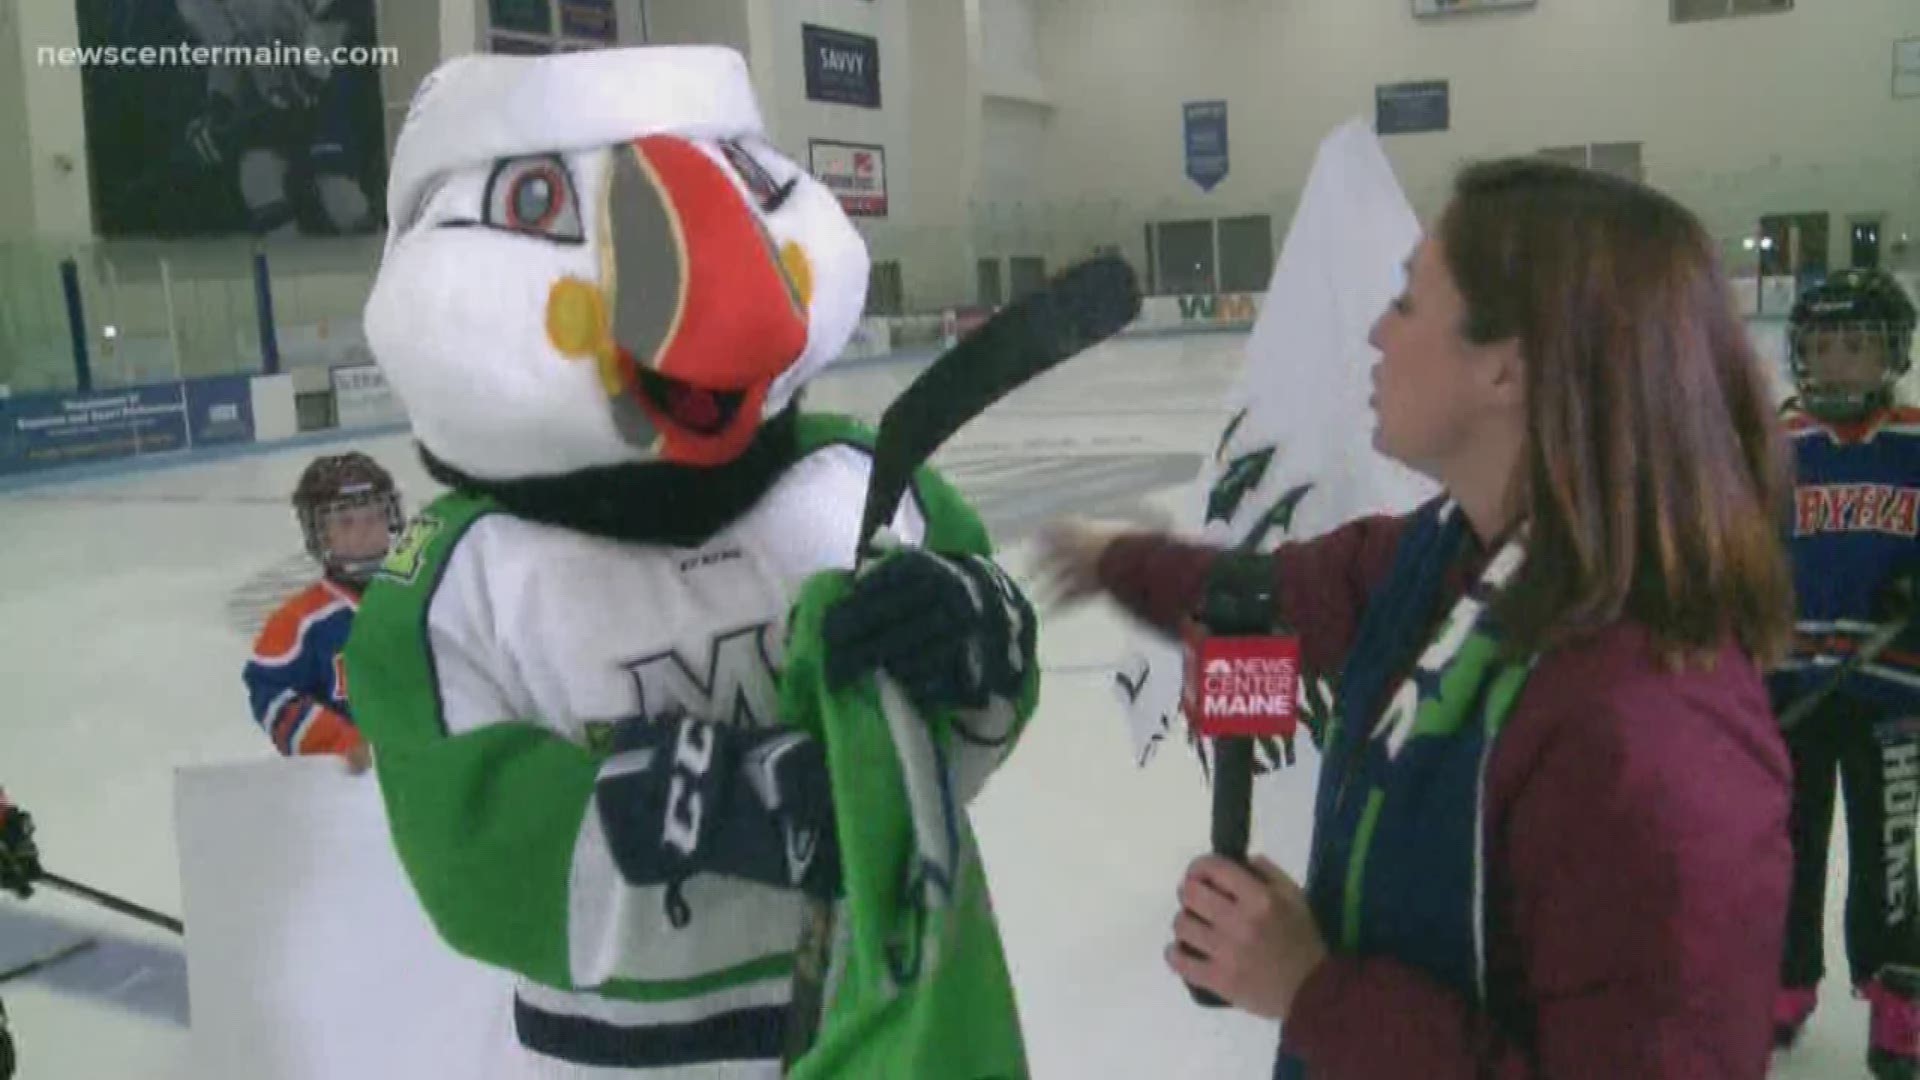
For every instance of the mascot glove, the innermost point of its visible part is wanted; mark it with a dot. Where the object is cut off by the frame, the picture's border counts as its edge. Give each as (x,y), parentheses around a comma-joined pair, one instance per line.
(952,630)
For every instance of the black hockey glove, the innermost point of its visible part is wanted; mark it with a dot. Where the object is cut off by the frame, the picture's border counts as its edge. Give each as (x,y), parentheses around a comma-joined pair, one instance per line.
(952,630)
(19,858)
(680,797)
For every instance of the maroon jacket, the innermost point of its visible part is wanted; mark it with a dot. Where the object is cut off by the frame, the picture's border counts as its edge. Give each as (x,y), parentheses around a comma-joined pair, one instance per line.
(1636,839)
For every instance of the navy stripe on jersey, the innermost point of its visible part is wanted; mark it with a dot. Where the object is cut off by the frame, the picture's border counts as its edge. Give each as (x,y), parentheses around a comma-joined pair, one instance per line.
(737,1035)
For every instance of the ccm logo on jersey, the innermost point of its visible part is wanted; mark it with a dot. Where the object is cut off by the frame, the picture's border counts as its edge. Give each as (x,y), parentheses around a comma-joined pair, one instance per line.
(1885,508)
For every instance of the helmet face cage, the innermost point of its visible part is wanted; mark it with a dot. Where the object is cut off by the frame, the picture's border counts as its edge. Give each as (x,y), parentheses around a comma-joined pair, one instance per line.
(344,482)
(1866,302)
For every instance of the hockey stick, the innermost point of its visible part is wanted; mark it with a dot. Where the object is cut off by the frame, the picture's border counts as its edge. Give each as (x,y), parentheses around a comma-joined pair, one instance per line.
(112,902)
(1082,307)
(58,956)
(1870,649)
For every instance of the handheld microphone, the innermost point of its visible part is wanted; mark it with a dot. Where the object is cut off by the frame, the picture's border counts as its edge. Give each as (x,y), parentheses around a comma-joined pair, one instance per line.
(1242,683)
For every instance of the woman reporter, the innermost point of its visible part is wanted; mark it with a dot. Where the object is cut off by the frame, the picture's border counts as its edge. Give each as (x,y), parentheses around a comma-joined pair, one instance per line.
(1550,835)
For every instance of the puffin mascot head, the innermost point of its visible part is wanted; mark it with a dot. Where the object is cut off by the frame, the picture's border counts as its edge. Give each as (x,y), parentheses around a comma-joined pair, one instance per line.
(596,261)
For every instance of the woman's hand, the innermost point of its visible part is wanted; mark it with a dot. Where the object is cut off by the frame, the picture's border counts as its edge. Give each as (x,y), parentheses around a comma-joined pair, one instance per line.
(1069,559)
(1254,936)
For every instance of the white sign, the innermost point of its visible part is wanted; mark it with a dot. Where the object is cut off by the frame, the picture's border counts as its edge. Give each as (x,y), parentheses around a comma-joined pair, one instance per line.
(855,173)
(312,960)
(362,398)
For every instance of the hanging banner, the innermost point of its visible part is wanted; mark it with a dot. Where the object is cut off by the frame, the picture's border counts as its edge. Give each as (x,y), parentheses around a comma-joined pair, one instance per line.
(842,68)
(855,173)
(1207,161)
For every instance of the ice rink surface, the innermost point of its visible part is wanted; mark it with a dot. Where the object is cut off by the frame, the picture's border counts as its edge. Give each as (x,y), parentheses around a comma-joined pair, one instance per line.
(127,605)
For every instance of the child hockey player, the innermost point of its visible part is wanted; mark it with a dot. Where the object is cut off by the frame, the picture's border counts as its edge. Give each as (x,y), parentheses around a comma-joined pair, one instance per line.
(1853,538)
(19,867)
(349,513)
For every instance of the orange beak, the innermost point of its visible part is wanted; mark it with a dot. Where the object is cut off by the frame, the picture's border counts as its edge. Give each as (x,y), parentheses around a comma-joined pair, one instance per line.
(705,312)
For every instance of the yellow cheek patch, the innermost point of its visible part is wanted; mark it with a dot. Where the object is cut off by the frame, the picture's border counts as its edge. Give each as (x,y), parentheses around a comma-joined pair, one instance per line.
(793,259)
(577,326)
(576,317)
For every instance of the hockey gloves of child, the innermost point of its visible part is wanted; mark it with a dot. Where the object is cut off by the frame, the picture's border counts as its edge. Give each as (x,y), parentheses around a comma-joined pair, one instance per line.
(19,858)
(953,631)
(681,796)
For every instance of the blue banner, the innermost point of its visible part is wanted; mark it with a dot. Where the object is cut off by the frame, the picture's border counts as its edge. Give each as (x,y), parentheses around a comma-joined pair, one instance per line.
(220,410)
(842,68)
(1411,108)
(1207,161)
(45,431)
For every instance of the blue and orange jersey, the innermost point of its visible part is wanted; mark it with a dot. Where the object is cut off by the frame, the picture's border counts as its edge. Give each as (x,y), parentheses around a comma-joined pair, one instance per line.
(296,681)
(1855,528)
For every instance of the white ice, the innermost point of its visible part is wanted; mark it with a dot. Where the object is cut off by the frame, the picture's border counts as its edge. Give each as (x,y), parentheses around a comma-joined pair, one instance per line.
(125,610)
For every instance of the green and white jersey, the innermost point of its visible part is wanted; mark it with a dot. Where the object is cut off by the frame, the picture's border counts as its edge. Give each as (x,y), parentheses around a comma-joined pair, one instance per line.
(489,660)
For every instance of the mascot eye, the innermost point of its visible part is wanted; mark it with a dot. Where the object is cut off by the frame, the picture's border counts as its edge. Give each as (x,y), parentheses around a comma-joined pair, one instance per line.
(534,195)
(770,194)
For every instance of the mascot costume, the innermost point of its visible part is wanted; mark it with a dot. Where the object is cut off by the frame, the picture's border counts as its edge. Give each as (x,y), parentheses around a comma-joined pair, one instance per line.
(646,740)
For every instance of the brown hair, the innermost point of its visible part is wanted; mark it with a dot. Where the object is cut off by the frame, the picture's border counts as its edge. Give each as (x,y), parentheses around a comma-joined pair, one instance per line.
(1654,474)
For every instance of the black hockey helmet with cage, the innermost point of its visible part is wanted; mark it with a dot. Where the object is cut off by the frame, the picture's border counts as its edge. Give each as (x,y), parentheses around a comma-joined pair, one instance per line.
(335,482)
(1868,302)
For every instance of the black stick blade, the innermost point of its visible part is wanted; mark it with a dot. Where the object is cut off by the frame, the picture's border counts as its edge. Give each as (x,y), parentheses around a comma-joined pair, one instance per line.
(1075,311)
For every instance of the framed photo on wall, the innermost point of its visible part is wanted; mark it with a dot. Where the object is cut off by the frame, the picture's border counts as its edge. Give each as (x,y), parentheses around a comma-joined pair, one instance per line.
(1428,8)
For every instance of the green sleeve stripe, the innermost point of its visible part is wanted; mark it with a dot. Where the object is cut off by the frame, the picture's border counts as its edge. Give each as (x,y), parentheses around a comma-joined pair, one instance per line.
(486,821)
(754,971)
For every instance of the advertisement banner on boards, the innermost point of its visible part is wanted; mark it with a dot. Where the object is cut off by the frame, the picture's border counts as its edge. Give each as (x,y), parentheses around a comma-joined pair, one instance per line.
(43,431)
(362,398)
(220,410)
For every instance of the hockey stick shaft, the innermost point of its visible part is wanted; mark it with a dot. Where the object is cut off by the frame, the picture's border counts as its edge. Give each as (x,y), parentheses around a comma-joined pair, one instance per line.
(58,956)
(1876,643)
(1081,308)
(113,903)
